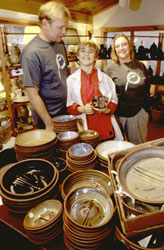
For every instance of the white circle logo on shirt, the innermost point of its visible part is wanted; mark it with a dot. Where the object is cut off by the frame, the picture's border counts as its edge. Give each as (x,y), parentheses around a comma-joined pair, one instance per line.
(133,78)
(60,63)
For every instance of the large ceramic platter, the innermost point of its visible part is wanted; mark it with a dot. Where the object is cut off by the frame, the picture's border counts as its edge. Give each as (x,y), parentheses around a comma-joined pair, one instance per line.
(141,174)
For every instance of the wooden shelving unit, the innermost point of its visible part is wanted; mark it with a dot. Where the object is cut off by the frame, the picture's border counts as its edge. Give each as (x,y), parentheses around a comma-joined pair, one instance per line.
(5,74)
(9,73)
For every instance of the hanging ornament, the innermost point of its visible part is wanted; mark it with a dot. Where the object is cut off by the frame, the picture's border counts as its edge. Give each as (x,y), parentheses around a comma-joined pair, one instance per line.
(134,4)
(123,3)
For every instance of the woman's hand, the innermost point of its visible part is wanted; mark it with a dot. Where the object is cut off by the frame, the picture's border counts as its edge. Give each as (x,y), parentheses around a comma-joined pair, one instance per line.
(87,109)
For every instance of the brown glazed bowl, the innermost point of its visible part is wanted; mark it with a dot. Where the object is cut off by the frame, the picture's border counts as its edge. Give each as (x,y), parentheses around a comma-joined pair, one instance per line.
(28,178)
(99,205)
(81,151)
(89,178)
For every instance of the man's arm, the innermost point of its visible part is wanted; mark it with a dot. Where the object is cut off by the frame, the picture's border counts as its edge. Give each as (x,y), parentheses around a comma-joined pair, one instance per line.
(39,107)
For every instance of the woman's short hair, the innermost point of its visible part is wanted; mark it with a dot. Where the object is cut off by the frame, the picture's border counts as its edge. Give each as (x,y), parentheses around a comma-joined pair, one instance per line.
(114,56)
(52,10)
(91,44)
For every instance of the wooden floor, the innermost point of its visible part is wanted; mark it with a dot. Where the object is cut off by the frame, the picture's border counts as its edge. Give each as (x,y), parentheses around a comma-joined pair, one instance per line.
(155,130)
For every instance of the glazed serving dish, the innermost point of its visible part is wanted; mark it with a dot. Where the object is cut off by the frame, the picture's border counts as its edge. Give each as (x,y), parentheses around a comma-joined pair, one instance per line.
(141,174)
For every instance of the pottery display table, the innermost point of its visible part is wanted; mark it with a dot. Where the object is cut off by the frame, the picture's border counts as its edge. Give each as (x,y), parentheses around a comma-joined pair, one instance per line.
(15,222)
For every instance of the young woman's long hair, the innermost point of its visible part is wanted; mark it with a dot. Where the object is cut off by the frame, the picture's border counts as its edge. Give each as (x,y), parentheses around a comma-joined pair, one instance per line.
(114,56)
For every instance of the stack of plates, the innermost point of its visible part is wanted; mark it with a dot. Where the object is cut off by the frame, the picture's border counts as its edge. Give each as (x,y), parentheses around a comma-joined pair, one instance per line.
(26,183)
(44,222)
(87,218)
(39,143)
(81,156)
(67,139)
(86,178)
(65,123)
(106,150)
(89,136)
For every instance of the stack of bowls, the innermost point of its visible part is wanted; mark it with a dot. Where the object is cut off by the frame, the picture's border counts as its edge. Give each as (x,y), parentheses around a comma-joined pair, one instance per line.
(27,183)
(86,178)
(39,143)
(81,156)
(106,150)
(67,139)
(89,136)
(65,123)
(44,222)
(87,218)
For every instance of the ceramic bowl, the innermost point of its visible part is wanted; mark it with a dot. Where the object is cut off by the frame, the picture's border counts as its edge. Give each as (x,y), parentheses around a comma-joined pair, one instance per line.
(88,201)
(44,221)
(43,214)
(89,178)
(28,178)
(67,136)
(35,138)
(87,162)
(80,151)
(23,205)
(109,148)
(39,143)
(106,150)
(67,139)
(64,123)
(64,118)
(88,134)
